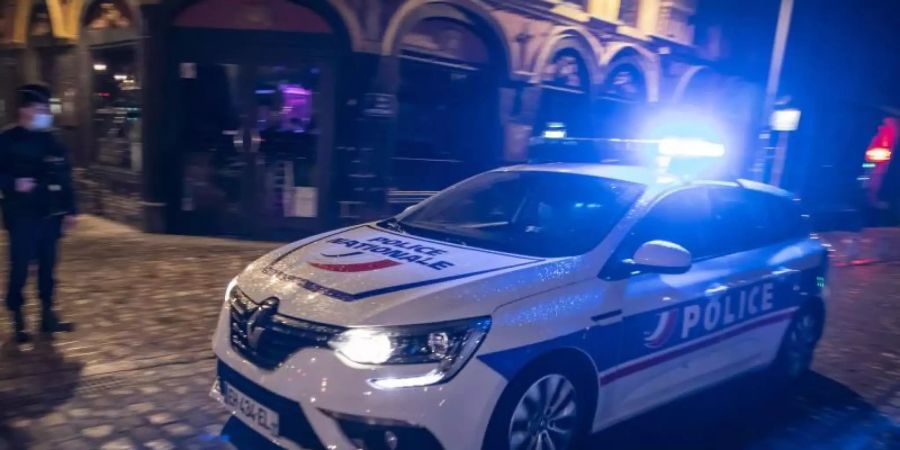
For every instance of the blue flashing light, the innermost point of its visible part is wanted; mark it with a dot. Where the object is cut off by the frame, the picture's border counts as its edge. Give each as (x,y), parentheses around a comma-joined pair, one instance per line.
(692,148)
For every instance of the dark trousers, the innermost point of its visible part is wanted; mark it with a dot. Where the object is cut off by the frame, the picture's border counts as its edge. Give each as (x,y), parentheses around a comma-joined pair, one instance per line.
(32,239)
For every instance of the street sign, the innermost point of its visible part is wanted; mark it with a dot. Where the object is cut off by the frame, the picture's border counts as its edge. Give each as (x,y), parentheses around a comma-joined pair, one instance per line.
(785,119)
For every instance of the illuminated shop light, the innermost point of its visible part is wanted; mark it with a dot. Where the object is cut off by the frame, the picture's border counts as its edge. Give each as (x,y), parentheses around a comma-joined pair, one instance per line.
(555,130)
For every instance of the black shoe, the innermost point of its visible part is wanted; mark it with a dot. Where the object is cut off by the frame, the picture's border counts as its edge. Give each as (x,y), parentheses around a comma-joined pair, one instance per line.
(19,334)
(50,323)
(21,337)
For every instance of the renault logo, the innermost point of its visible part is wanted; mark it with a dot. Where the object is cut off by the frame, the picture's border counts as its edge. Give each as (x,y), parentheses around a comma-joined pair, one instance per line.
(257,321)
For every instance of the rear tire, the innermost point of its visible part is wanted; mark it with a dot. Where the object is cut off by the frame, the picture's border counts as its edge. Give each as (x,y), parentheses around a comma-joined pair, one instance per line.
(798,345)
(542,404)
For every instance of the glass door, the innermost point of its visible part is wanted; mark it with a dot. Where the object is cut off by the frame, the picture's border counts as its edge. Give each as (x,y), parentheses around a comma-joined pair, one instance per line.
(213,146)
(249,140)
(286,137)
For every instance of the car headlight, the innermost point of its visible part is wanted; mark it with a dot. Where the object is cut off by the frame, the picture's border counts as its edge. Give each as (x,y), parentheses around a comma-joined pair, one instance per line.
(445,346)
(230,290)
(236,299)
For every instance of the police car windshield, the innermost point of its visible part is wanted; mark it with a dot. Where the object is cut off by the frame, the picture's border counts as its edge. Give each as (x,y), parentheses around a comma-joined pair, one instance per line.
(545,214)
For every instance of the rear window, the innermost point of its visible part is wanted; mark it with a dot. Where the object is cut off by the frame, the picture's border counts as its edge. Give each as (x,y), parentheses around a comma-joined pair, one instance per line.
(745,219)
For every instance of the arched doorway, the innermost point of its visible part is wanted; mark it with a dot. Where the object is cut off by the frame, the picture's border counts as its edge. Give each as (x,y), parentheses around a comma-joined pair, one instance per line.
(448,125)
(565,94)
(623,99)
(253,84)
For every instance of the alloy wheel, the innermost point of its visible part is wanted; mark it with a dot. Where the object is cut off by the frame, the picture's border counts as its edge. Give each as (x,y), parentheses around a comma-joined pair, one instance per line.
(546,417)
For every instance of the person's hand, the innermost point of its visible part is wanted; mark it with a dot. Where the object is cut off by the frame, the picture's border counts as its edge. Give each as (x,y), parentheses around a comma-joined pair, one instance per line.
(70,221)
(25,185)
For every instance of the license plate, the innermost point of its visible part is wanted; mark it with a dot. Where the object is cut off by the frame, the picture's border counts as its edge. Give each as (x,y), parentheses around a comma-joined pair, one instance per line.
(249,410)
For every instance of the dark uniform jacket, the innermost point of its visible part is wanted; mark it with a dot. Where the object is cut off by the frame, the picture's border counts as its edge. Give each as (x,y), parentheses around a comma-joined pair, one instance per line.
(38,155)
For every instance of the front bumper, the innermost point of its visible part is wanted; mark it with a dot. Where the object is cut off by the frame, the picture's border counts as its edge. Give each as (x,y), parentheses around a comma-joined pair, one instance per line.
(325,404)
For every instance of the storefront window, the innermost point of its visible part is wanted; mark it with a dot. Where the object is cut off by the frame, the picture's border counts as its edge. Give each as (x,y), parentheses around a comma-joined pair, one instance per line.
(117,108)
(249,140)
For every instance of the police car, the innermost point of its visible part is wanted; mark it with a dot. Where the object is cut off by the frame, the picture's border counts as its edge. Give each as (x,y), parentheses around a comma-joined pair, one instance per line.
(523,308)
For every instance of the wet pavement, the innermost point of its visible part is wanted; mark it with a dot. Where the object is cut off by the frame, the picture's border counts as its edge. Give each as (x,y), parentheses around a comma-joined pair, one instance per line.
(137,372)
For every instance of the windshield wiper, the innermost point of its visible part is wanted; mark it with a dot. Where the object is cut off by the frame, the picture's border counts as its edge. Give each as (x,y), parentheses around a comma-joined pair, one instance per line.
(438,232)
(393,224)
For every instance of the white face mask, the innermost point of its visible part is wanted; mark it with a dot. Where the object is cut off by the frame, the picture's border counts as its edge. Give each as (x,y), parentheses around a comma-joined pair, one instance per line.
(41,121)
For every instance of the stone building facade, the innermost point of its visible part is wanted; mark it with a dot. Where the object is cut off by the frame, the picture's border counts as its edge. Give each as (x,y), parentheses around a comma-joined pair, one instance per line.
(270,117)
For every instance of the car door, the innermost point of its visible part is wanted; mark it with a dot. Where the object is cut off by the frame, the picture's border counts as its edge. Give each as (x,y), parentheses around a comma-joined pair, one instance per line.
(752,239)
(662,313)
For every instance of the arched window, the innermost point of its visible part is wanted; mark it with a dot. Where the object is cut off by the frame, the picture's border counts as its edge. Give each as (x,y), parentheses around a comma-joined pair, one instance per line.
(625,83)
(106,14)
(628,12)
(622,105)
(39,24)
(565,96)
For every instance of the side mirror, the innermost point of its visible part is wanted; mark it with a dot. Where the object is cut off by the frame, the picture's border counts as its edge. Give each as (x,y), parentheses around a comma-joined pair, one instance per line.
(661,257)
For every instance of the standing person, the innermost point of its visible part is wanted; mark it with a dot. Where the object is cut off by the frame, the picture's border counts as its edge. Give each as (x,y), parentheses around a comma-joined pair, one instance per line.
(38,200)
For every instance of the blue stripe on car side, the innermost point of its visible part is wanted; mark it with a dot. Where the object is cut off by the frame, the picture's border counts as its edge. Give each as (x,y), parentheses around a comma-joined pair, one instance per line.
(612,345)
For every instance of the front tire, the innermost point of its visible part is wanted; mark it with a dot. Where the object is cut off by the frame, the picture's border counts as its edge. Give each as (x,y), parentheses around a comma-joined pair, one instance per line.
(542,409)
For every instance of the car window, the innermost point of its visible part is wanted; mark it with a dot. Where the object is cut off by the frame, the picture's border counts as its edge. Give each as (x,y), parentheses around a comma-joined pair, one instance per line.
(744,220)
(545,214)
(738,223)
(680,217)
(786,217)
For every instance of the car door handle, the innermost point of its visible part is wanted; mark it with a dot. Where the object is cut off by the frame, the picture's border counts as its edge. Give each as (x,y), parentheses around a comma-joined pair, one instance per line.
(715,290)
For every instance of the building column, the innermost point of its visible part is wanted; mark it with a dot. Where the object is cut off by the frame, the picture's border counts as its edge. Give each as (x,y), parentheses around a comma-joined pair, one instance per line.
(154,60)
(519,108)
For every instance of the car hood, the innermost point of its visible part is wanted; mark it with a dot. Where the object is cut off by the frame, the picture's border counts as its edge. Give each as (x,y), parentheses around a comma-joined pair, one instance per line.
(366,275)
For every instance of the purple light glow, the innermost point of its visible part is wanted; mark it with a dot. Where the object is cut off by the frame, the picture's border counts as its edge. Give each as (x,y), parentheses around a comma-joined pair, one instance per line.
(296,110)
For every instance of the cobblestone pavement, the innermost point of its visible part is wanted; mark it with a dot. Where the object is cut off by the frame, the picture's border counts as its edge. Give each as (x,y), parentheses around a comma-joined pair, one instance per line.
(136,373)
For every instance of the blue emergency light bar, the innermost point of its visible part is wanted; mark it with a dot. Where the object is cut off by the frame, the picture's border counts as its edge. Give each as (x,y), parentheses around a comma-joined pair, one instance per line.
(685,156)
(549,148)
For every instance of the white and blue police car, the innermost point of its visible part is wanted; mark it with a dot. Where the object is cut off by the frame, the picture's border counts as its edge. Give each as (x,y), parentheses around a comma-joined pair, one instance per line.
(523,308)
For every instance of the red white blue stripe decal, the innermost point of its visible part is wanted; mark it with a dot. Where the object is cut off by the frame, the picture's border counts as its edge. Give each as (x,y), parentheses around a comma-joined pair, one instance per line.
(700,344)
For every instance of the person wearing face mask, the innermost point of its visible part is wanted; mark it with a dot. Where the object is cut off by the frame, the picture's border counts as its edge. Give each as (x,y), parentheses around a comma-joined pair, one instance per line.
(38,202)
